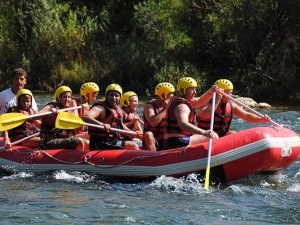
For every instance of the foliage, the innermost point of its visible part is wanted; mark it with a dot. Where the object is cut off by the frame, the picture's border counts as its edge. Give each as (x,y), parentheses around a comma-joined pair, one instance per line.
(138,43)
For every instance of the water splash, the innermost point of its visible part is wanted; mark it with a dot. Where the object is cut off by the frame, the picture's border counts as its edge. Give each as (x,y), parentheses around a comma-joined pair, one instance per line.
(18,176)
(73,177)
(189,185)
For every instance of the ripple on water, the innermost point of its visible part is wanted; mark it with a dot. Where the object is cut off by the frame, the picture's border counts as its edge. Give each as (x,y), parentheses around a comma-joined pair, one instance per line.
(79,198)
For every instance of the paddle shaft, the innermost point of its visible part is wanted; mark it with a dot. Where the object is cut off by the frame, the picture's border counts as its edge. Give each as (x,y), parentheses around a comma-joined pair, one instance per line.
(23,139)
(250,109)
(207,174)
(128,132)
(50,112)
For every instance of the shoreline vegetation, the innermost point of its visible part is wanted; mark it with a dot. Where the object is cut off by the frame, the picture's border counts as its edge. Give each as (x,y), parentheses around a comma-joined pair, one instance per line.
(138,44)
(275,105)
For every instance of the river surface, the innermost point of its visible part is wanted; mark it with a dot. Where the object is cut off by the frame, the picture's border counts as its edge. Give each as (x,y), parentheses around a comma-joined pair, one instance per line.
(79,198)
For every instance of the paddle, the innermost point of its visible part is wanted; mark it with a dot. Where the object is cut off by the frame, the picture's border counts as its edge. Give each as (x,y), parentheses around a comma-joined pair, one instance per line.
(67,120)
(207,174)
(250,109)
(21,140)
(11,120)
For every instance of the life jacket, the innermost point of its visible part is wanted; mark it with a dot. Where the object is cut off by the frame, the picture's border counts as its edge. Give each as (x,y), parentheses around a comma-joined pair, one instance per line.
(25,129)
(81,111)
(78,102)
(48,130)
(222,119)
(171,121)
(158,131)
(130,117)
(114,116)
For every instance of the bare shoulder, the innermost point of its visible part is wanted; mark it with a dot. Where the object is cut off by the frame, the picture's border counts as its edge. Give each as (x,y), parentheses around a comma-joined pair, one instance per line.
(148,107)
(97,108)
(182,107)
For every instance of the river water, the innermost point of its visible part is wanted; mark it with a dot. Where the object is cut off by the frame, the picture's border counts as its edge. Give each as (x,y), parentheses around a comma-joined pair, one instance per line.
(79,198)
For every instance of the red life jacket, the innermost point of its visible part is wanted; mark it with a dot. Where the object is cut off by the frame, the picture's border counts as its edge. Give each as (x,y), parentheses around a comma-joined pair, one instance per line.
(114,116)
(130,117)
(222,119)
(80,114)
(48,130)
(158,131)
(78,101)
(171,121)
(25,129)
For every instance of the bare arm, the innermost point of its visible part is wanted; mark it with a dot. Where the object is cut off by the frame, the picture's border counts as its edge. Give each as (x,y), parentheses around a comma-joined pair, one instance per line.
(181,112)
(205,111)
(203,99)
(73,103)
(7,142)
(152,118)
(46,108)
(95,112)
(135,124)
(248,116)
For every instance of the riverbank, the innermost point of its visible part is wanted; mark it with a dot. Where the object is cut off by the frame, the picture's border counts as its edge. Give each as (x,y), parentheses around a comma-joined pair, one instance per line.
(286,105)
(44,97)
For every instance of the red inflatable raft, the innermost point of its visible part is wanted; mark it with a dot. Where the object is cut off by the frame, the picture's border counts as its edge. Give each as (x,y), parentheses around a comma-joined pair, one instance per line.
(260,149)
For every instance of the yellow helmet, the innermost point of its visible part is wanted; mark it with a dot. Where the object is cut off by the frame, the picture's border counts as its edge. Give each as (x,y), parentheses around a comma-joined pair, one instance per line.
(184,83)
(125,98)
(88,88)
(61,90)
(225,84)
(24,92)
(164,88)
(114,87)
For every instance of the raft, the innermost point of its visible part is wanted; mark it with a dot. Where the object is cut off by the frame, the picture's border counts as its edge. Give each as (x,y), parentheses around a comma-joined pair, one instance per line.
(255,150)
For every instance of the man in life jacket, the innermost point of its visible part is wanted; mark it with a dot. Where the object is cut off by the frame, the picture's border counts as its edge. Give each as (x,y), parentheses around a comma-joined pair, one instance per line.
(109,114)
(153,115)
(224,111)
(180,129)
(29,127)
(88,95)
(51,137)
(130,102)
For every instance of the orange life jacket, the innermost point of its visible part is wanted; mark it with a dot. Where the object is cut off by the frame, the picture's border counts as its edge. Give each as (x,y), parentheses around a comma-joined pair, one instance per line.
(78,101)
(158,131)
(25,129)
(114,116)
(80,114)
(48,130)
(222,119)
(171,121)
(130,117)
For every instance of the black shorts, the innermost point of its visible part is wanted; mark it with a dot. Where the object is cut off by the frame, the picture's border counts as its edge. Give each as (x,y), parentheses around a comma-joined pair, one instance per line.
(177,142)
(99,143)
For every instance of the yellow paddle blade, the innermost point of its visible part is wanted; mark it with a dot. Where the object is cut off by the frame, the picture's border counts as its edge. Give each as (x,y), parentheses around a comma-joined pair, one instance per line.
(206,184)
(68,121)
(11,120)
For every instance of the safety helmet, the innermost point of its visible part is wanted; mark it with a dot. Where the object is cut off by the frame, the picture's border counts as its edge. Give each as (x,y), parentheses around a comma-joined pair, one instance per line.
(24,92)
(164,88)
(88,88)
(225,84)
(61,90)
(184,83)
(114,87)
(124,101)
